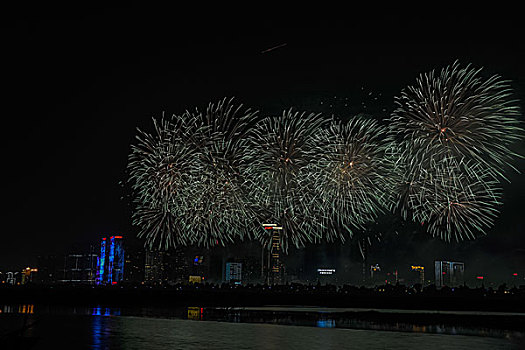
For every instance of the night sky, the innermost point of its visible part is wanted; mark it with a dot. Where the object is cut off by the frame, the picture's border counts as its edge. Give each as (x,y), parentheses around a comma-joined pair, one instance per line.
(76,83)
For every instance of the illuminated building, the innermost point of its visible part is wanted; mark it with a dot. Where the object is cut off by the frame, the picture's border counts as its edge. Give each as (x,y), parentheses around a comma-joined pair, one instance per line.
(11,279)
(195,313)
(101,262)
(195,279)
(234,272)
(172,266)
(116,260)
(200,264)
(110,263)
(421,273)
(28,275)
(449,273)
(274,268)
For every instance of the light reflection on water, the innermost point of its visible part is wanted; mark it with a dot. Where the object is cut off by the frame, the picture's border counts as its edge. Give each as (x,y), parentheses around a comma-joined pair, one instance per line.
(107,311)
(17,309)
(137,328)
(326,323)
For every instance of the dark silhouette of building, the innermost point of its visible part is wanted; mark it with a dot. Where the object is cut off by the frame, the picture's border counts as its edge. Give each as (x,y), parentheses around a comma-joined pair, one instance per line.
(134,262)
(79,268)
(50,268)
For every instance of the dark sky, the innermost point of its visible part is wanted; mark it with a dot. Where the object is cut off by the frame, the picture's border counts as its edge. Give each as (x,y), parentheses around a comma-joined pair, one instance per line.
(77,82)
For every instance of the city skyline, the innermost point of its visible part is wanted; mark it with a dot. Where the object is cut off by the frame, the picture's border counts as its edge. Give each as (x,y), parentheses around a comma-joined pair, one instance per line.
(327,264)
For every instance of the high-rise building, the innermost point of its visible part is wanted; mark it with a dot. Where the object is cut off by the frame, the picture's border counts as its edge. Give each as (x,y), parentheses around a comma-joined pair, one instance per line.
(155,267)
(180,270)
(135,261)
(234,272)
(273,268)
(449,273)
(171,266)
(275,260)
(110,263)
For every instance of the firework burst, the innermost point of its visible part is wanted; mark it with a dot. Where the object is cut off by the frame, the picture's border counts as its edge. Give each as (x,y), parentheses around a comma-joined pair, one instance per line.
(455,204)
(188,178)
(350,174)
(221,207)
(283,146)
(161,183)
(459,113)
(452,133)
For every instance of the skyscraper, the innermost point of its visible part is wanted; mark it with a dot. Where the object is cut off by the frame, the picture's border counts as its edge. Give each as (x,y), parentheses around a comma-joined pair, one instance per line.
(110,263)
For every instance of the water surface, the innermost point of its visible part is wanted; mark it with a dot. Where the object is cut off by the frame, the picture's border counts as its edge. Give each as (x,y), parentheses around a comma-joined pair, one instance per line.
(113,328)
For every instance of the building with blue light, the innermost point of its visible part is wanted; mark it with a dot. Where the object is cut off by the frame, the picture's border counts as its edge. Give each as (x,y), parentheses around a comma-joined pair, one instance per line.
(110,263)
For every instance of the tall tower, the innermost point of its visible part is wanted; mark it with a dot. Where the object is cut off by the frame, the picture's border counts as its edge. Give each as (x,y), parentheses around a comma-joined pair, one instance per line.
(116,260)
(101,263)
(275,273)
